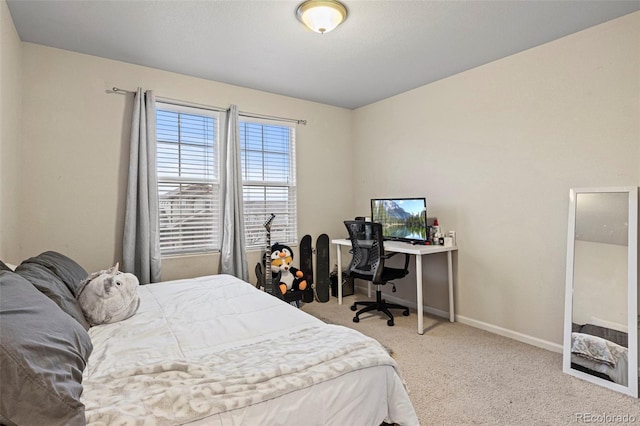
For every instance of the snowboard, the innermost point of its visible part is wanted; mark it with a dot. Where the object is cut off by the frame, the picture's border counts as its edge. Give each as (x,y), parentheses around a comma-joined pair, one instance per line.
(323,281)
(306,266)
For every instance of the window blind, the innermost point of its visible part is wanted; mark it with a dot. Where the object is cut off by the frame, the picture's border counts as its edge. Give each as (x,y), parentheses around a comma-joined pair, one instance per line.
(188,181)
(269,181)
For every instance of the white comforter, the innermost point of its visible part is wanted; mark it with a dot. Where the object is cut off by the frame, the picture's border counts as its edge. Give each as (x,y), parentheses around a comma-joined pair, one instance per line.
(214,350)
(600,355)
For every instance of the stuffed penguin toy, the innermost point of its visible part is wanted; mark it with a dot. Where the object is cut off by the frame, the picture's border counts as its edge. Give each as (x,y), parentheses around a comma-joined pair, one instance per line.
(290,277)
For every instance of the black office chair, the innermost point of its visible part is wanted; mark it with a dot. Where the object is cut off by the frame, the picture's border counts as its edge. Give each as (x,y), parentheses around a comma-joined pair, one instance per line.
(367,264)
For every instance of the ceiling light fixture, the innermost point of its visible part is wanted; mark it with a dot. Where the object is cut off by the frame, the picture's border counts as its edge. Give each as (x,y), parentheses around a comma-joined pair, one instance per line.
(321,16)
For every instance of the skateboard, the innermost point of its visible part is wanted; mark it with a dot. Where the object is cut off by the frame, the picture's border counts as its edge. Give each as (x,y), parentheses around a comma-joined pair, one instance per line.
(306,266)
(323,282)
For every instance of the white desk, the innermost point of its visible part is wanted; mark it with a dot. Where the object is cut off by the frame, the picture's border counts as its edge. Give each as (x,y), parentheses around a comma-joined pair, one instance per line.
(418,251)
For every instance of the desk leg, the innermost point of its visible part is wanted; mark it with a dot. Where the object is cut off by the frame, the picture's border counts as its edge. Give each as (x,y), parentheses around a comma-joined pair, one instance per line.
(452,316)
(339,254)
(419,293)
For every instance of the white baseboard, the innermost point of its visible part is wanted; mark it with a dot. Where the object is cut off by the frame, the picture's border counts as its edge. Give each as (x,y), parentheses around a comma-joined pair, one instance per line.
(524,338)
(520,337)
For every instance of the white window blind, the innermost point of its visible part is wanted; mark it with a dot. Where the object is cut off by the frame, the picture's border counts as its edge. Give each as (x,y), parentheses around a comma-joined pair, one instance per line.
(188,181)
(269,181)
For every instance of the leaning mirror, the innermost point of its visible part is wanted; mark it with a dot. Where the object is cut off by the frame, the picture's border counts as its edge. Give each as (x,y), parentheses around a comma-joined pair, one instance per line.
(601,302)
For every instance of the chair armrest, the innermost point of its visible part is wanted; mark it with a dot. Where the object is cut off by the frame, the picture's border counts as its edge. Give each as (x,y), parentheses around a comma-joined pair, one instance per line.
(391,254)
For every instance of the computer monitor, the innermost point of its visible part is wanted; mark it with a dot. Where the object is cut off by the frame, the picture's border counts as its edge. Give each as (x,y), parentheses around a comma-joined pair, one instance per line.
(403,219)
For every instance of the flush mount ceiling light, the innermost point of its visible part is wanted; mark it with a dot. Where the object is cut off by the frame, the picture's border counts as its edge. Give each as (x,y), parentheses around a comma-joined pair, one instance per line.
(321,16)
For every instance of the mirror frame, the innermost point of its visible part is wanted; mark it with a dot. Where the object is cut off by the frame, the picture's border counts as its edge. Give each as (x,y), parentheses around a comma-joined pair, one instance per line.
(632,294)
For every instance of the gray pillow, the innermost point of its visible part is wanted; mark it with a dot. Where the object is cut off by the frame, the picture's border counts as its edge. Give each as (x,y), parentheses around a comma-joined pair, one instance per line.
(4,267)
(615,336)
(43,353)
(65,268)
(53,287)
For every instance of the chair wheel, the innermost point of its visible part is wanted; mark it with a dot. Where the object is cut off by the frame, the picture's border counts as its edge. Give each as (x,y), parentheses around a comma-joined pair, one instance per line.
(353,308)
(356,319)
(406,313)
(390,323)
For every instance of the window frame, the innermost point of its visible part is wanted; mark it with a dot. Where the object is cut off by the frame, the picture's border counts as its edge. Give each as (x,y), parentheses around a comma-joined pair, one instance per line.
(287,232)
(284,232)
(213,245)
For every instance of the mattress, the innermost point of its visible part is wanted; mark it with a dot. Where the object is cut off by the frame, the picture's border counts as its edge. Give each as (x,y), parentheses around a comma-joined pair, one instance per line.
(215,350)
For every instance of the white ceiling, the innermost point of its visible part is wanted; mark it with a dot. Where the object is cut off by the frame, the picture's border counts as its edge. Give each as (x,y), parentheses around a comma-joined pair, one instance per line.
(383,48)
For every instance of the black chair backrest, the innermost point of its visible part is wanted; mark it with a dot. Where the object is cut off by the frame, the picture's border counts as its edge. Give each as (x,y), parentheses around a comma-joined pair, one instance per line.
(367,250)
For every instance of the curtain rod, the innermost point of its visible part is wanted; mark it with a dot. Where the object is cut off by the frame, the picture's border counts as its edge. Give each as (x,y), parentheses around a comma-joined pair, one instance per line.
(215,108)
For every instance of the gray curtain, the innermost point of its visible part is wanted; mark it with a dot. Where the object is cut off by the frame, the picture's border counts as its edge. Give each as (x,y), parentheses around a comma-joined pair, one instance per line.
(233,253)
(141,243)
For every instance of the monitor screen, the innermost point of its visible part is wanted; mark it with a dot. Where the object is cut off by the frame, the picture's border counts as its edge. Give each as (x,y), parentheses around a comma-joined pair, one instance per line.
(403,219)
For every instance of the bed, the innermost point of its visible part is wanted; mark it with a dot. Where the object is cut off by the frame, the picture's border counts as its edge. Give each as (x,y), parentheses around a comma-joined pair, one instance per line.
(211,350)
(600,351)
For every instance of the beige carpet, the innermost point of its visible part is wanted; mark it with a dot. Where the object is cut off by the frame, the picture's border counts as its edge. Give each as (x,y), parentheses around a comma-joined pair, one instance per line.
(460,375)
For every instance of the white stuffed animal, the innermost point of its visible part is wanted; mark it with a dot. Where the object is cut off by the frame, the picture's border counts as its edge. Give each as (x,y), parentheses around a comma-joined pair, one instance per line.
(108,296)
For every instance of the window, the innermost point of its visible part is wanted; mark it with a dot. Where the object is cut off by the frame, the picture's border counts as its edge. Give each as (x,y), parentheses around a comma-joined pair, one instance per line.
(269,181)
(188,180)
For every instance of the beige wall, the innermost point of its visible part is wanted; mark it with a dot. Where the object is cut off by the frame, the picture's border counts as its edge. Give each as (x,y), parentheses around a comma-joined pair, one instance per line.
(495,151)
(10,125)
(76,154)
(600,284)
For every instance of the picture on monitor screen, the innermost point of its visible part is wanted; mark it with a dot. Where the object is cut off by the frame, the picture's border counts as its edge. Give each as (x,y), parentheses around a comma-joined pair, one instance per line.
(402,219)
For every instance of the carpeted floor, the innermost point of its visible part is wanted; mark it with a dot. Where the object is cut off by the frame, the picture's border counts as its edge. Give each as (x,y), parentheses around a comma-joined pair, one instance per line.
(460,375)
